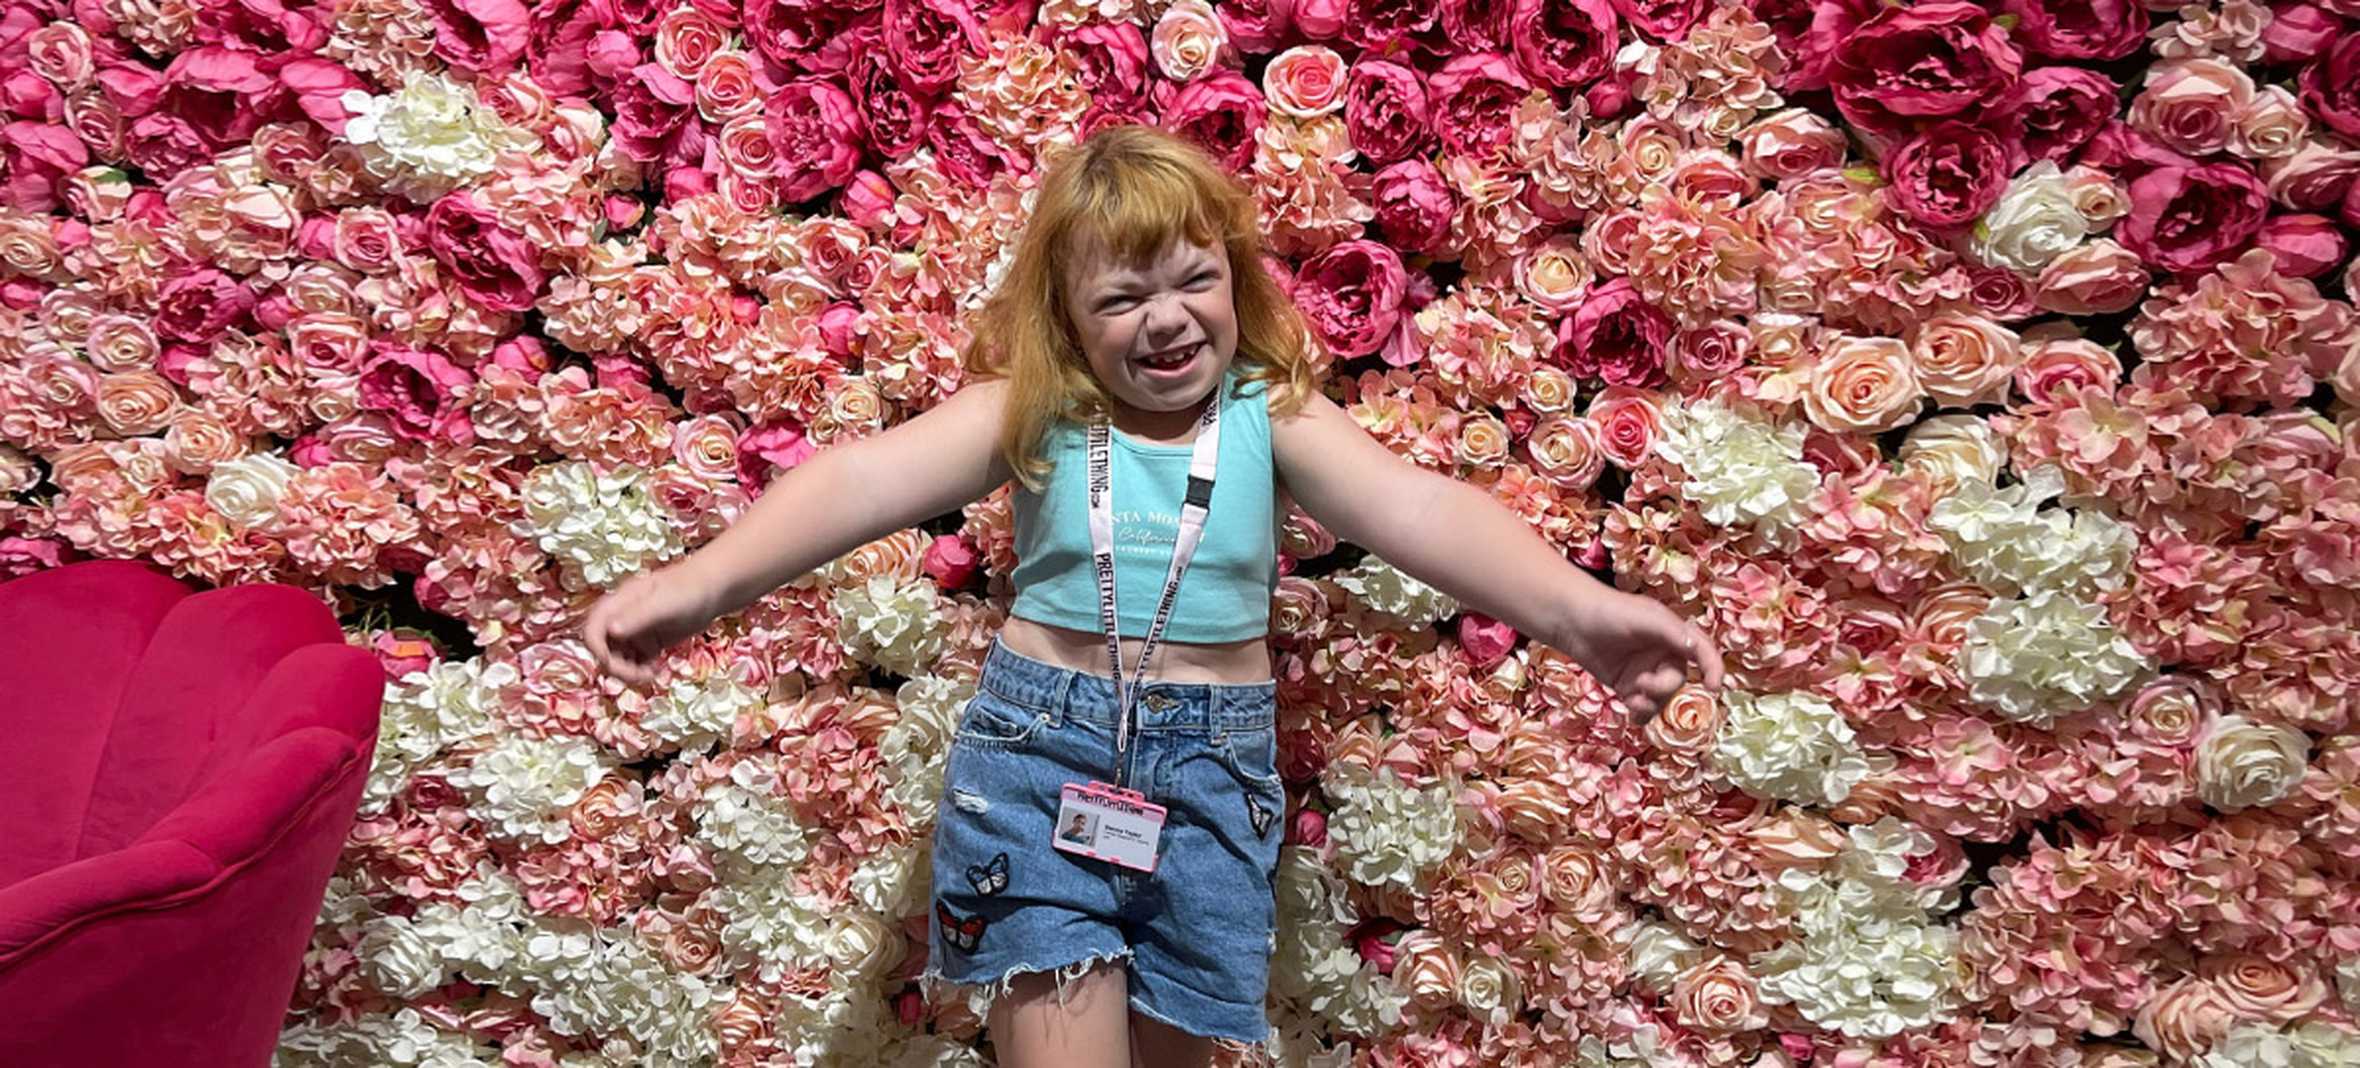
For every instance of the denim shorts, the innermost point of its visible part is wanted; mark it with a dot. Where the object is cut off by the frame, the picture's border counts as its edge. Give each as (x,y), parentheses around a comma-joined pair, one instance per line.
(1196,934)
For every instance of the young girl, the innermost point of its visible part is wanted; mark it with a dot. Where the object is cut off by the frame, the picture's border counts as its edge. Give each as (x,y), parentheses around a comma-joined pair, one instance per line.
(1110,824)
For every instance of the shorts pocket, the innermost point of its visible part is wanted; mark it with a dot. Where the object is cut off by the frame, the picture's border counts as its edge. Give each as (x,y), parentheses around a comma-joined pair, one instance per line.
(1252,754)
(990,723)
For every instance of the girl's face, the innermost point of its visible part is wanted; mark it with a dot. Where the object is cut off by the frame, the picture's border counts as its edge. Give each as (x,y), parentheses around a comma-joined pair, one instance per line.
(1159,335)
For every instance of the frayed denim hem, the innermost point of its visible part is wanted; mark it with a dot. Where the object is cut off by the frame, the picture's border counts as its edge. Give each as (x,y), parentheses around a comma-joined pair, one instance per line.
(933,980)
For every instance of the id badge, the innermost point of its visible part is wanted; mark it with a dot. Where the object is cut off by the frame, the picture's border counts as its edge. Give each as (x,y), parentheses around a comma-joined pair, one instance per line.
(1109,823)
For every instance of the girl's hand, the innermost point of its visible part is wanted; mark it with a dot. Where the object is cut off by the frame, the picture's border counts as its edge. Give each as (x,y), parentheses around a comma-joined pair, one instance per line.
(629,628)
(1641,650)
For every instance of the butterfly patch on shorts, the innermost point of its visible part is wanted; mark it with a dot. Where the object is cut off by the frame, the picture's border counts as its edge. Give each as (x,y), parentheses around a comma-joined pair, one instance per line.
(989,879)
(1260,816)
(963,933)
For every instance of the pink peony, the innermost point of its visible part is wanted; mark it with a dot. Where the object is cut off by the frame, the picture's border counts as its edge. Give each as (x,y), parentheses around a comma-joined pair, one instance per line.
(2306,246)
(1475,100)
(817,133)
(1414,206)
(493,265)
(1663,20)
(223,94)
(2185,219)
(1221,113)
(1111,62)
(766,450)
(897,123)
(968,154)
(2298,33)
(1926,62)
(418,391)
(1384,27)
(21,556)
(1256,25)
(1477,25)
(37,157)
(1307,829)
(655,116)
(2079,29)
(1352,295)
(2331,87)
(1485,640)
(480,36)
(925,38)
(805,37)
(1562,42)
(1387,111)
(199,305)
(2058,109)
(558,46)
(1947,176)
(1616,335)
(318,87)
(951,562)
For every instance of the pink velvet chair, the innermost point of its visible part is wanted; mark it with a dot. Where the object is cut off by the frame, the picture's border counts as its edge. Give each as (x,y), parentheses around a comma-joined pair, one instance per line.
(178,772)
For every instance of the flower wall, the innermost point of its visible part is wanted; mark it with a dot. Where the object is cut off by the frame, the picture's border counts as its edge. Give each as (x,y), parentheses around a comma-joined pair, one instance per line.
(1982,375)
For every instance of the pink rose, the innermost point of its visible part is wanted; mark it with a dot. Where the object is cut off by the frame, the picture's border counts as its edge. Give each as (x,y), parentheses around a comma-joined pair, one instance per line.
(199,305)
(1305,81)
(655,117)
(1376,940)
(1111,62)
(950,561)
(1256,25)
(403,650)
(1386,111)
(557,49)
(38,157)
(1863,385)
(2298,33)
(1387,26)
(2192,106)
(1561,42)
(1790,144)
(2331,87)
(162,143)
(2185,219)
(728,88)
(1352,295)
(134,89)
(318,87)
(2306,246)
(897,122)
(926,39)
(1710,351)
(1475,100)
(1485,640)
(29,95)
(1321,20)
(1609,98)
(1220,113)
(61,52)
(1931,61)
(1628,423)
(966,153)
(418,390)
(1413,205)
(222,93)
(2315,178)
(1948,176)
(2057,368)
(1477,25)
(817,131)
(804,36)
(869,200)
(1308,828)
(2098,278)
(493,265)
(480,36)
(766,450)
(2079,29)
(687,39)
(1616,335)
(1663,20)
(524,354)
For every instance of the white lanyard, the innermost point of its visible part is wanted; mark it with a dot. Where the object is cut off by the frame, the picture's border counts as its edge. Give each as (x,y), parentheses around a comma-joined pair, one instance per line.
(1201,460)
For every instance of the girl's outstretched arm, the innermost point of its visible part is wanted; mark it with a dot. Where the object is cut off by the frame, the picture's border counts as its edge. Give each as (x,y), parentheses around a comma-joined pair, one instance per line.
(840,499)
(1455,537)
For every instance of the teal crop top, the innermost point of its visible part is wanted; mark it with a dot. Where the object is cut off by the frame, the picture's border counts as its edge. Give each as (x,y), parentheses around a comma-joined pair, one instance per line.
(1224,597)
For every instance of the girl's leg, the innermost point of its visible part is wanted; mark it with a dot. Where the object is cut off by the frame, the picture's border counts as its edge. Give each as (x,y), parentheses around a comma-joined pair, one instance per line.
(1156,1044)
(1089,1027)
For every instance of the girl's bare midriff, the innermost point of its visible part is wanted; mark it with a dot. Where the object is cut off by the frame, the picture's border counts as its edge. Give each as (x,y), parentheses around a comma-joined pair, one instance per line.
(1085,651)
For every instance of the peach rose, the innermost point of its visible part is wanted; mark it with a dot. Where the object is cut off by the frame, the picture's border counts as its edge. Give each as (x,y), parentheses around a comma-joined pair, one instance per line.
(1688,723)
(2241,764)
(1791,144)
(2184,1020)
(2097,196)
(1573,879)
(2258,988)
(2192,105)
(132,403)
(197,440)
(2273,127)
(746,148)
(1305,81)
(1483,441)
(1862,385)
(62,53)
(1796,838)
(687,39)
(1426,966)
(1717,997)
(1554,275)
(2172,711)
(707,446)
(2313,177)
(1952,449)
(1629,422)
(1549,391)
(1188,41)
(2055,367)
(1566,452)
(1533,809)
(120,343)
(1964,360)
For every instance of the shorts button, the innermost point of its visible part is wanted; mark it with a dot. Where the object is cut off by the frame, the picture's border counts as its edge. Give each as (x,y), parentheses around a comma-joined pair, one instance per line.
(1157,702)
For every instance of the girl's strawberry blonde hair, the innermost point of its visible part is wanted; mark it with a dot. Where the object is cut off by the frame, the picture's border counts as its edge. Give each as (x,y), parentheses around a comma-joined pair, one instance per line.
(1138,189)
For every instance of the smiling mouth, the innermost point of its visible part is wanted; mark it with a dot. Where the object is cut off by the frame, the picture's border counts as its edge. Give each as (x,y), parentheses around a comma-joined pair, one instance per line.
(1172,359)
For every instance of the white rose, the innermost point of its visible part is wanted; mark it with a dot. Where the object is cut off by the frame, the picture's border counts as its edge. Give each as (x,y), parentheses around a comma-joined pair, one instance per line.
(246,490)
(1954,449)
(859,944)
(2034,222)
(1488,989)
(397,961)
(1188,40)
(2242,764)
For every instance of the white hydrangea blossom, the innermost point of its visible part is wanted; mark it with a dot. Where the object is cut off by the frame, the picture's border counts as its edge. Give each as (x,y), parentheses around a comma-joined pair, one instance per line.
(1867,961)
(693,715)
(747,825)
(931,1051)
(601,527)
(2004,541)
(1386,832)
(1313,969)
(1739,470)
(890,623)
(2309,1045)
(1658,954)
(768,923)
(1788,746)
(2347,983)
(430,136)
(427,712)
(1392,591)
(893,883)
(929,708)
(845,1025)
(624,988)
(398,960)
(400,1039)
(523,785)
(2035,658)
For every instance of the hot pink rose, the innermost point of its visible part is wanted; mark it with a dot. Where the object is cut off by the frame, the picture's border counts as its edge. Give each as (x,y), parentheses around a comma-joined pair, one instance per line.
(2079,29)
(1352,296)
(1386,26)
(966,153)
(1931,61)
(1375,942)
(1663,20)
(1485,640)
(481,36)
(1477,25)
(817,130)
(868,200)
(224,94)
(30,96)
(1308,828)
(1947,176)
(2331,87)
(2185,219)
(418,391)
(803,35)
(1414,206)
(655,116)
(926,39)
(197,306)
(557,50)
(1628,422)
(1386,111)
(1111,61)
(1616,335)
(133,88)
(1220,113)
(950,561)
(766,450)
(2058,109)
(404,650)
(37,157)
(2298,33)
(1475,99)
(2306,246)
(318,87)
(1561,42)
(1257,25)
(493,265)
(897,122)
